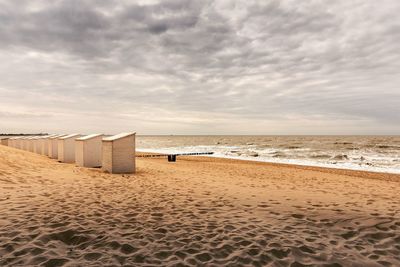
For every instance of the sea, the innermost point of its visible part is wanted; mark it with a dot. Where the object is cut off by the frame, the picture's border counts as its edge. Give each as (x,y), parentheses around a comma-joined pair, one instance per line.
(369,153)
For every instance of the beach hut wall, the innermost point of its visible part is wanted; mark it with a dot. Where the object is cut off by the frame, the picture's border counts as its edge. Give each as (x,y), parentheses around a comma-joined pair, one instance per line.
(24,143)
(14,141)
(4,141)
(45,144)
(11,142)
(119,153)
(37,145)
(88,150)
(66,148)
(21,142)
(30,143)
(18,142)
(53,146)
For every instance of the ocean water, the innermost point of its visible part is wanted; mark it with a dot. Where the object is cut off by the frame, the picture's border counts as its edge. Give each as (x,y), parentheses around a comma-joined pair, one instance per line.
(370,153)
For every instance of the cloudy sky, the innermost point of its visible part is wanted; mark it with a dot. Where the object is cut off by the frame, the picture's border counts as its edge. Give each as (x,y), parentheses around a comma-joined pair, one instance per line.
(200,67)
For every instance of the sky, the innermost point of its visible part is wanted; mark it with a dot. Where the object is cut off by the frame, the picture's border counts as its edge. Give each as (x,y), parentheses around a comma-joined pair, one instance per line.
(200,67)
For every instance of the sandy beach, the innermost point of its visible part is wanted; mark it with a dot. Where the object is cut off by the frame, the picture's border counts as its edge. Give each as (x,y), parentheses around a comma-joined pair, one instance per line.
(196,212)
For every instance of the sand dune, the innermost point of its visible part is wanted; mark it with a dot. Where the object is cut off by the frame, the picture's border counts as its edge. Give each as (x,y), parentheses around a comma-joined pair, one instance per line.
(197,211)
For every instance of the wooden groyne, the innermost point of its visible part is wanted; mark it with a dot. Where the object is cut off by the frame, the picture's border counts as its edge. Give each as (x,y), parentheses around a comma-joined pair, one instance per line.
(172,157)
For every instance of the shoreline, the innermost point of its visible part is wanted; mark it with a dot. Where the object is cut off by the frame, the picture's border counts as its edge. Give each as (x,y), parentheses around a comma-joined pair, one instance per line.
(392,177)
(322,166)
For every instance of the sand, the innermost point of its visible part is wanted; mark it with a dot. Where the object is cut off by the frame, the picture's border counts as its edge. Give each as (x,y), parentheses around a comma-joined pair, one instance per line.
(198,211)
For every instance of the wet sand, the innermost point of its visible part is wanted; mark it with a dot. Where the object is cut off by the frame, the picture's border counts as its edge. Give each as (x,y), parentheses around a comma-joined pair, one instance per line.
(198,211)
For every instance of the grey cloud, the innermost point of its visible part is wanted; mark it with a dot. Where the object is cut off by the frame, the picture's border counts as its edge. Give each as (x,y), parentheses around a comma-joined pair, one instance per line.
(18,115)
(253,60)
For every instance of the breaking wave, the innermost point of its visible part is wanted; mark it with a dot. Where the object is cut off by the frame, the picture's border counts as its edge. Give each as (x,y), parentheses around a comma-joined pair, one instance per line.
(358,154)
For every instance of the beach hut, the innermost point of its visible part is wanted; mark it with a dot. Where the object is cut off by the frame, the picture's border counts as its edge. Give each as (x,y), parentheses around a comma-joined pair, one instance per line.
(18,142)
(119,153)
(45,144)
(4,141)
(88,150)
(66,148)
(11,142)
(24,143)
(30,143)
(21,142)
(53,146)
(37,144)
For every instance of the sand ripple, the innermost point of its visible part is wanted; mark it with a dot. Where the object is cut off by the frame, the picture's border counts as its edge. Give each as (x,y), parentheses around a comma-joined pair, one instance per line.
(59,215)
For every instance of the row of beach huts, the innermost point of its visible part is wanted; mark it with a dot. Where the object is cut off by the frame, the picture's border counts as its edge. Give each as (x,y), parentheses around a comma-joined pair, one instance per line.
(114,154)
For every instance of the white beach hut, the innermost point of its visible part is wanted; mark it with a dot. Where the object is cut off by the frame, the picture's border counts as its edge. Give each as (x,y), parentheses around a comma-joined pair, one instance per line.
(37,144)
(88,150)
(25,141)
(53,146)
(18,142)
(11,142)
(66,148)
(22,143)
(45,144)
(15,142)
(4,141)
(30,143)
(119,153)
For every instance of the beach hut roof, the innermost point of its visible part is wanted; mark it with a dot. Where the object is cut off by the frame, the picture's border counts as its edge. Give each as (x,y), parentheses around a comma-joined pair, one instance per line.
(87,137)
(118,136)
(69,136)
(16,137)
(57,136)
(49,136)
